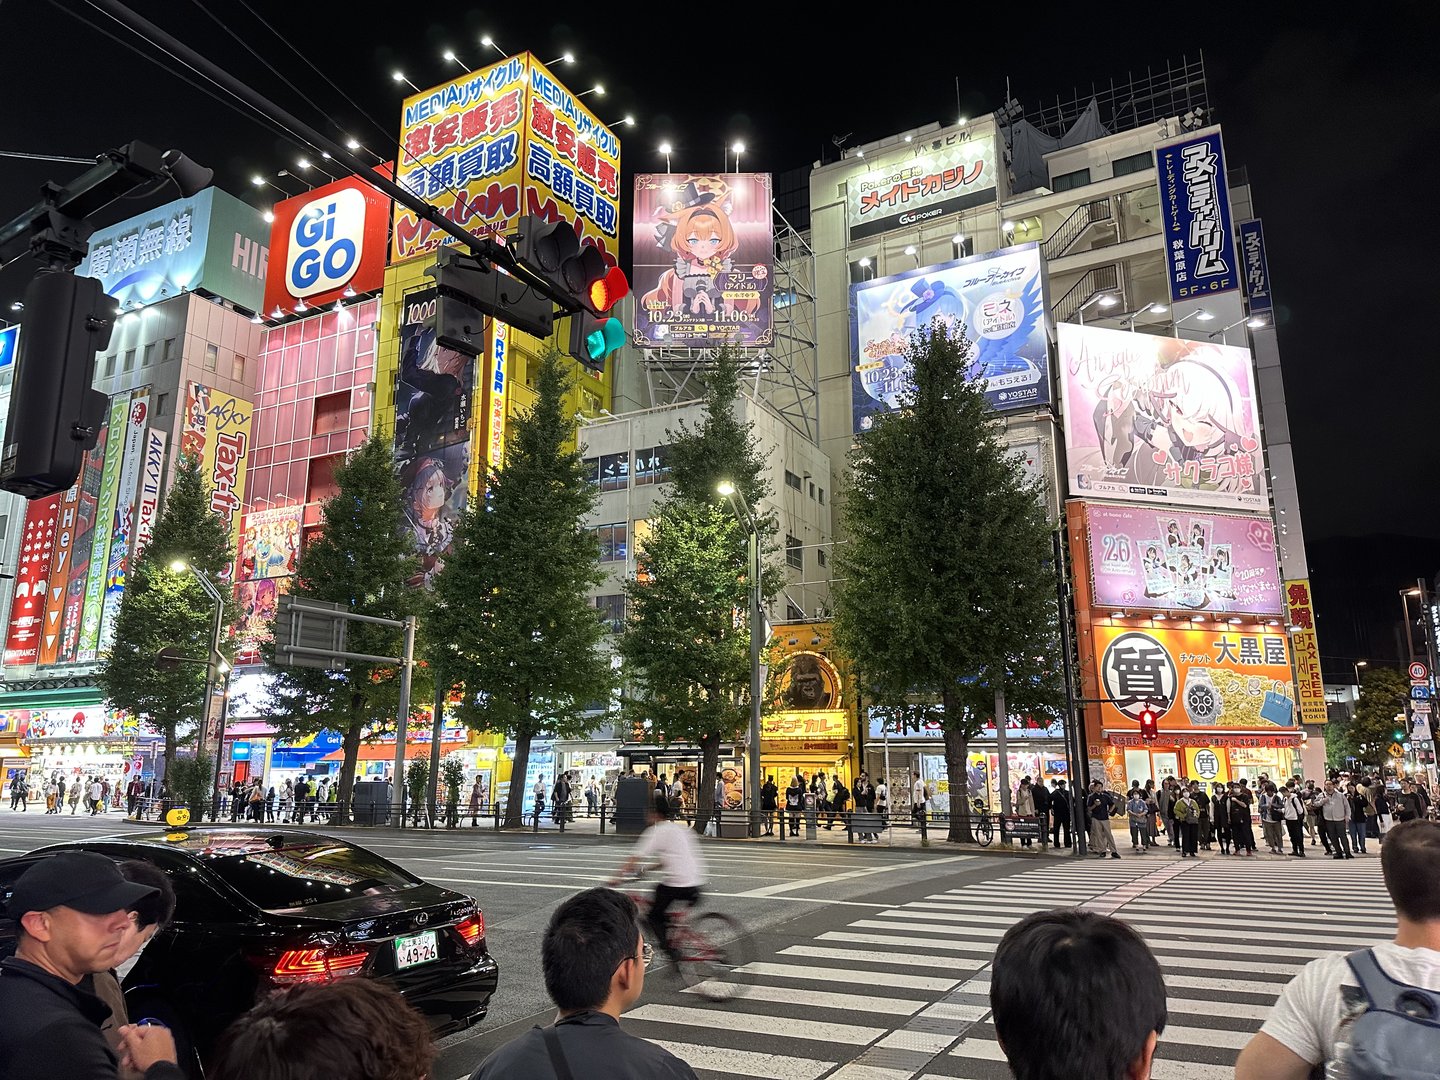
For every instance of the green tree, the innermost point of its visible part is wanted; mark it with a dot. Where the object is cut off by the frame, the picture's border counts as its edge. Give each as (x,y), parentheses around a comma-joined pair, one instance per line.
(510,609)
(362,560)
(945,587)
(686,646)
(162,608)
(1370,731)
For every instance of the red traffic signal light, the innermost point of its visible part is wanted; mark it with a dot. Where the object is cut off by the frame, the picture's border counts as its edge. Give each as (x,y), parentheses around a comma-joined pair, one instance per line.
(609,290)
(1149,724)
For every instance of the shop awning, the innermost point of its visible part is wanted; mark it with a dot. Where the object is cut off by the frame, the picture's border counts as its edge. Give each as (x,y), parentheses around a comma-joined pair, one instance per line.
(63,697)
(386,752)
(672,750)
(1217,737)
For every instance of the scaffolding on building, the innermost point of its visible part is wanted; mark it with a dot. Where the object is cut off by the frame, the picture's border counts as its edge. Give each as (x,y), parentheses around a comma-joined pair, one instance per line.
(1140,98)
(784,375)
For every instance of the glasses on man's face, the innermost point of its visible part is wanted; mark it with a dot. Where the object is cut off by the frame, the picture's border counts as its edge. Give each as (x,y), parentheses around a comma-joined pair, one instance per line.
(647,954)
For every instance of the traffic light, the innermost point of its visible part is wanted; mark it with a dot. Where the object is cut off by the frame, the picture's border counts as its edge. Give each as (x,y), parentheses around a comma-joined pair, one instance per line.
(469,289)
(580,282)
(1149,724)
(55,415)
(592,339)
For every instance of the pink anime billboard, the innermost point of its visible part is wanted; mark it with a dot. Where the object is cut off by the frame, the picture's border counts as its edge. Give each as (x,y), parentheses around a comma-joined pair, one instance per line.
(703,263)
(1160,420)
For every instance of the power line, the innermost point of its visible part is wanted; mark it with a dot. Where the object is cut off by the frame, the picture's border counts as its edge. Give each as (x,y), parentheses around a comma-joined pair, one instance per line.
(24,155)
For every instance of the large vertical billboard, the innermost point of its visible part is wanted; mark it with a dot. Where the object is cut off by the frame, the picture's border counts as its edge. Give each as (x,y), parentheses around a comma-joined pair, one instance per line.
(269,554)
(1309,680)
(27,606)
(104,530)
(703,260)
(1195,217)
(503,141)
(1257,267)
(151,488)
(1160,419)
(68,513)
(434,392)
(940,174)
(326,243)
(82,546)
(998,300)
(1166,560)
(122,529)
(217,435)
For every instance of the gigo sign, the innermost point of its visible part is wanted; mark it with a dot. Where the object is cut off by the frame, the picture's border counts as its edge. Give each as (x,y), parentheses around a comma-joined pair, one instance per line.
(326,244)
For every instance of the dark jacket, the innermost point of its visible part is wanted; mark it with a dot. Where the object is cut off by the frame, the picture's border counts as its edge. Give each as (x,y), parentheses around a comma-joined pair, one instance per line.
(1060,803)
(595,1048)
(769,795)
(1041,794)
(60,1035)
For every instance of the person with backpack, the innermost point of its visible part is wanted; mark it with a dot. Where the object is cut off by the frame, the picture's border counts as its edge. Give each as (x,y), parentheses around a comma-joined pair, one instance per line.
(1294,810)
(839,799)
(794,800)
(1042,808)
(1060,812)
(1242,832)
(1364,1014)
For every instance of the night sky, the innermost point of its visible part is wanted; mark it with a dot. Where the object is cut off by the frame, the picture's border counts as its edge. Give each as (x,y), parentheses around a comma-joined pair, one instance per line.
(1336,126)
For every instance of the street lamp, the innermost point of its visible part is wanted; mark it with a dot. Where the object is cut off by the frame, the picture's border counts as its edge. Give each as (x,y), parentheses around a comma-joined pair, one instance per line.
(757,624)
(1103,298)
(1405,595)
(1357,665)
(216,663)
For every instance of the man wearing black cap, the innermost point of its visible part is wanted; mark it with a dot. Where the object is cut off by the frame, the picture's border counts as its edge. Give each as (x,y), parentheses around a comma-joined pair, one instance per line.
(71,912)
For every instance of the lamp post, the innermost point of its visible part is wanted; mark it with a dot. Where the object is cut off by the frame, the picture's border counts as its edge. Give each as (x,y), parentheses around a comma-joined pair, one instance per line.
(216,661)
(757,623)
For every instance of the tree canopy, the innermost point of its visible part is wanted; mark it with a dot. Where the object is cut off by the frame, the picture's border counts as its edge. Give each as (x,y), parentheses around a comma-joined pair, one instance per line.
(1369,733)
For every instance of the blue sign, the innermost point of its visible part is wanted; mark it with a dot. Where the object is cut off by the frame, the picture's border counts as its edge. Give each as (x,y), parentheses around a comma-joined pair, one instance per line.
(9,342)
(1257,270)
(240,751)
(1419,693)
(1195,212)
(997,299)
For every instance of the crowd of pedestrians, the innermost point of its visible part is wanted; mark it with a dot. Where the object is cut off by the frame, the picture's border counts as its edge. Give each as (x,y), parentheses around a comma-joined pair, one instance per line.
(95,793)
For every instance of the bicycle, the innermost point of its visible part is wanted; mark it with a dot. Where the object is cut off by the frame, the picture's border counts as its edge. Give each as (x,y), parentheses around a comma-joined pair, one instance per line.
(709,946)
(984,826)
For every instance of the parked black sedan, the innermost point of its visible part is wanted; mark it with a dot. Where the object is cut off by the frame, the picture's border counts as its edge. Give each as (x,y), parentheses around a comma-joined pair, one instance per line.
(256,910)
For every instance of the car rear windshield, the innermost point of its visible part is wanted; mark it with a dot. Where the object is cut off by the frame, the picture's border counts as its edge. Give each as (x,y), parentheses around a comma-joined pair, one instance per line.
(299,875)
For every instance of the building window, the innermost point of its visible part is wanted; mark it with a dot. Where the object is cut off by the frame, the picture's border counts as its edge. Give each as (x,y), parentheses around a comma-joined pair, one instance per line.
(794,552)
(237,368)
(821,557)
(793,613)
(161,404)
(812,489)
(614,541)
(611,607)
(822,496)
(169,352)
(1070,180)
(615,471)
(332,413)
(791,480)
(110,366)
(129,360)
(148,358)
(212,357)
(652,465)
(1135,163)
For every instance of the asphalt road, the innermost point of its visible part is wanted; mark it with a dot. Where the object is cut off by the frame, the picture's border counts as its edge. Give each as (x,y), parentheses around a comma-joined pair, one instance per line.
(872,963)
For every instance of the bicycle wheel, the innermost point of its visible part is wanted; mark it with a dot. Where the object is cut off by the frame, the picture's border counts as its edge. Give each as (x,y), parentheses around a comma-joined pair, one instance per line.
(713,946)
(984,832)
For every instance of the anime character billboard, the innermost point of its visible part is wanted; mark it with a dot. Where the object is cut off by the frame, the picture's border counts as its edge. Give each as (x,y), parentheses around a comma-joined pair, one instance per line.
(1160,419)
(436,494)
(703,260)
(270,543)
(998,299)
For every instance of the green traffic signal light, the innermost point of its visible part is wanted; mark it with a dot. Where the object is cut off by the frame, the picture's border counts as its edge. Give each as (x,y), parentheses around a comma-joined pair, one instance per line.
(604,339)
(1399,735)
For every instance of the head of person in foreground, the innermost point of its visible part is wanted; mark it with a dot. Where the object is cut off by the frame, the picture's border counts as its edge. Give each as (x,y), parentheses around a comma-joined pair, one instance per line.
(1104,1006)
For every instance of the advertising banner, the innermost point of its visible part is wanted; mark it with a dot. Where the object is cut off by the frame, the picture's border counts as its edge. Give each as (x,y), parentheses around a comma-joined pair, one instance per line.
(503,141)
(208,239)
(916,723)
(104,530)
(81,547)
(270,546)
(217,434)
(1160,420)
(434,391)
(1220,678)
(944,174)
(27,606)
(1309,682)
(495,393)
(122,527)
(1257,269)
(998,299)
(703,260)
(1195,216)
(147,502)
(257,601)
(327,241)
(9,342)
(68,513)
(1166,561)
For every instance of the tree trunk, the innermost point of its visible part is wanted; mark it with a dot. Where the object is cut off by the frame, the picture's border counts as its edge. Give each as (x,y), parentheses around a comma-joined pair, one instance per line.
(957,752)
(347,766)
(709,767)
(515,803)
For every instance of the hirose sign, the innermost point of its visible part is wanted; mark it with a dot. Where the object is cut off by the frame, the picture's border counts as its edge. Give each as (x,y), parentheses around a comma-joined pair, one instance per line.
(325,243)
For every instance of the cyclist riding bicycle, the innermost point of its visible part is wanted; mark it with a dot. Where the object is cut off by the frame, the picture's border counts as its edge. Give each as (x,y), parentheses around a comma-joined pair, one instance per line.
(672,848)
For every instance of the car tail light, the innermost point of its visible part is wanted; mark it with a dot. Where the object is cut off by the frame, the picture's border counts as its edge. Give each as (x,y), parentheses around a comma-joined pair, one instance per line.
(316,965)
(472,929)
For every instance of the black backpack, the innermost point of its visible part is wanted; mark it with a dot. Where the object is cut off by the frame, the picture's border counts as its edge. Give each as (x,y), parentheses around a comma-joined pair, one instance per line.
(1395,1037)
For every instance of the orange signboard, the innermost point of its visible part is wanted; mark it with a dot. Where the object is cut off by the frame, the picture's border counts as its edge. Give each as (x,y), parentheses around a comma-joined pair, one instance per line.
(1224,678)
(1309,682)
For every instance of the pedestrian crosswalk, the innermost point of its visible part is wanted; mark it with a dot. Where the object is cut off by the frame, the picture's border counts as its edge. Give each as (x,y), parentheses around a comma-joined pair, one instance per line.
(902,993)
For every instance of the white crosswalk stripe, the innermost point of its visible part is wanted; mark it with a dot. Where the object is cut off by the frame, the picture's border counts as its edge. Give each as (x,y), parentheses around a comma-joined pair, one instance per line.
(901,993)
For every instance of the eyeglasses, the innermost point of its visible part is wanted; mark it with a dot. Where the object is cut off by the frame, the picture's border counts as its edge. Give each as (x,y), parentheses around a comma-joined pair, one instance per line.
(647,954)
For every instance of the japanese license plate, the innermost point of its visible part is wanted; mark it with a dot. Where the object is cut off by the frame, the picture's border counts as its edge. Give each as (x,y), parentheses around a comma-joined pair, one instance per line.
(416,949)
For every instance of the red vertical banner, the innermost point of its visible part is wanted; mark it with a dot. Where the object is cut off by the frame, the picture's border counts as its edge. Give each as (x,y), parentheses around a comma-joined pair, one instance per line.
(32,581)
(68,514)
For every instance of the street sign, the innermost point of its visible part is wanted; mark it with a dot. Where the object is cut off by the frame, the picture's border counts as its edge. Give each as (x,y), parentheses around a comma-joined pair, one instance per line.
(308,628)
(1418,671)
(1396,750)
(1420,693)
